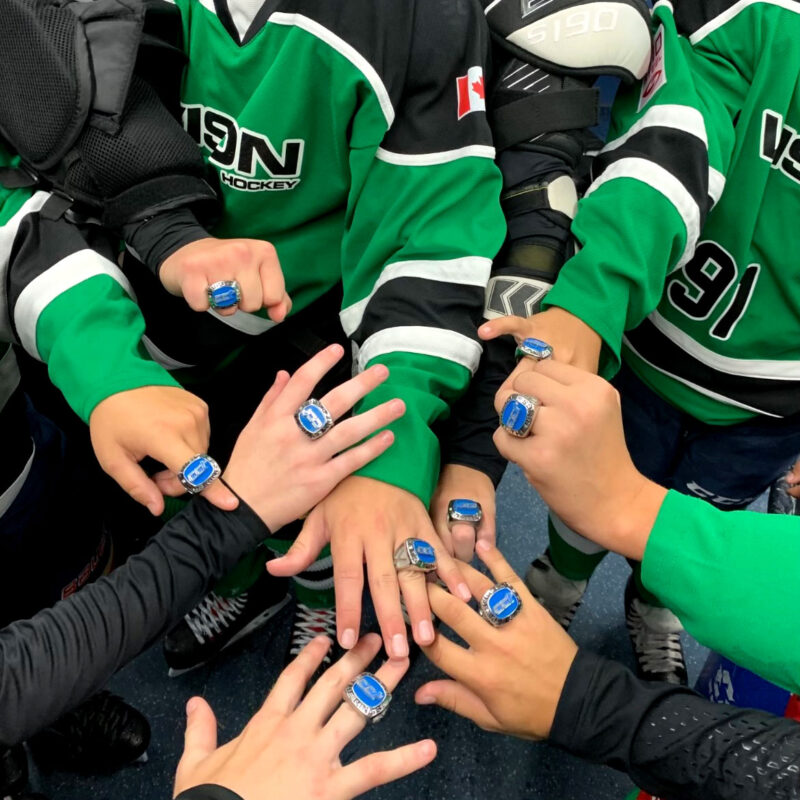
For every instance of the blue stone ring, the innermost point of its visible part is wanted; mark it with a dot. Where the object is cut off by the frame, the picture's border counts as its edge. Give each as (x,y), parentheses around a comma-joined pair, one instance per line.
(224,294)
(313,419)
(464,512)
(534,348)
(518,414)
(198,473)
(368,696)
(415,554)
(500,604)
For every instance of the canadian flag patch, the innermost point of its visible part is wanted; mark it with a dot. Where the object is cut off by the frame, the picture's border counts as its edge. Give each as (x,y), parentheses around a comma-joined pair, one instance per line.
(471,92)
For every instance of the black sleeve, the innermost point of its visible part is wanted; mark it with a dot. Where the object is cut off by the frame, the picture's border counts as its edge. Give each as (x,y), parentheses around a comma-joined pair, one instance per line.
(55,660)
(672,742)
(208,791)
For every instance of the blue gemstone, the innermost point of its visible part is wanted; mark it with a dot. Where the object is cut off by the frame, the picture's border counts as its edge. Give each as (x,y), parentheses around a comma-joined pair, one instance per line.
(537,346)
(224,297)
(467,508)
(425,552)
(312,418)
(515,414)
(503,602)
(369,691)
(198,471)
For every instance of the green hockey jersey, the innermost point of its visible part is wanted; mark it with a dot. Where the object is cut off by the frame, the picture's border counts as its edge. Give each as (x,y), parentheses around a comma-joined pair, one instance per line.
(688,264)
(352,134)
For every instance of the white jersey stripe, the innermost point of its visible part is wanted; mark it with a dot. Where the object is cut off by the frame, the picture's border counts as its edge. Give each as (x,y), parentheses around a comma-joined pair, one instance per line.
(664,182)
(62,276)
(716,184)
(431,159)
(743,367)
(682,118)
(734,11)
(348,51)
(468,271)
(244,322)
(423,340)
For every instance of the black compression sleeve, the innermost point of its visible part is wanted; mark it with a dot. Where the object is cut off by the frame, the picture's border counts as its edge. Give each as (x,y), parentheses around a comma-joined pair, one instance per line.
(672,742)
(55,660)
(208,791)
(155,239)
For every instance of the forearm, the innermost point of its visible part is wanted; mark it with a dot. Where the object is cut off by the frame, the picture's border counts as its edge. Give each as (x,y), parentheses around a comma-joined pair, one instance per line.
(672,742)
(59,657)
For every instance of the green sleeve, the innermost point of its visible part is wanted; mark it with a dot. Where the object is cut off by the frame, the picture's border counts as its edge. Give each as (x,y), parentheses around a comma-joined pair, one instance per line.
(654,182)
(732,579)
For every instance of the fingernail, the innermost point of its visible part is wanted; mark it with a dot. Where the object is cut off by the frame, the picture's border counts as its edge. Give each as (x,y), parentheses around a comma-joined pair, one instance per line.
(387,436)
(337,348)
(426,700)
(153,509)
(425,632)
(397,406)
(399,646)
(380,370)
(428,749)
(348,638)
(464,593)
(482,546)
(191,705)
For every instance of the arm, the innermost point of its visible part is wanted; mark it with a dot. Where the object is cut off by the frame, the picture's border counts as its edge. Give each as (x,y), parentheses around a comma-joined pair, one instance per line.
(672,742)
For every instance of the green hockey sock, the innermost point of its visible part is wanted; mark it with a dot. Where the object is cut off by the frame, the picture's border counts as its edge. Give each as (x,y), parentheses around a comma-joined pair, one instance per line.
(568,560)
(243,575)
(644,594)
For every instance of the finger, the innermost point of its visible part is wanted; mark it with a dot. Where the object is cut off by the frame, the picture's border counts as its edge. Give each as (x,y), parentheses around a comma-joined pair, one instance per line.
(347,723)
(463,541)
(280,310)
(252,294)
(487,530)
(347,555)
(274,391)
(513,326)
(125,470)
(547,391)
(380,768)
(385,592)
(457,615)
(273,284)
(200,738)
(219,495)
(478,583)
(168,483)
(291,684)
(499,567)
(352,460)
(525,365)
(794,491)
(326,694)
(304,550)
(451,658)
(344,397)
(457,698)
(356,428)
(563,373)
(194,289)
(444,535)
(413,586)
(302,383)
(447,569)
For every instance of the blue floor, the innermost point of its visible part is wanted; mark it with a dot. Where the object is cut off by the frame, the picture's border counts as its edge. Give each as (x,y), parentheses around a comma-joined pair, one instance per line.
(471,765)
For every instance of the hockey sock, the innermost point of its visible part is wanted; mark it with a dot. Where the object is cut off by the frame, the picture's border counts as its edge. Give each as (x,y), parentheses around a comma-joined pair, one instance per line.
(644,595)
(173,506)
(244,574)
(568,560)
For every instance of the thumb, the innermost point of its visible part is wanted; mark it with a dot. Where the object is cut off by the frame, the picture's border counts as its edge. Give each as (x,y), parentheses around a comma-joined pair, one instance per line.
(125,470)
(455,697)
(793,476)
(304,550)
(514,326)
(200,739)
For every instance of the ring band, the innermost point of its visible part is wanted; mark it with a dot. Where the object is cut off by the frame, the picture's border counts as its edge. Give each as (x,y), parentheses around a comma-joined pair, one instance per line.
(518,414)
(500,604)
(198,472)
(367,695)
(533,348)
(313,419)
(224,294)
(464,512)
(415,554)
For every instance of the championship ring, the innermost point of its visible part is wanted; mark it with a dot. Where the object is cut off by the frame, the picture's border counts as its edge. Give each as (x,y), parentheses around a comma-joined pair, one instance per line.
(224,294)
(415,554)
(368,696)
(533,348)
(518,414)
(500,604)
(198,473)
(464,512)
(313,419)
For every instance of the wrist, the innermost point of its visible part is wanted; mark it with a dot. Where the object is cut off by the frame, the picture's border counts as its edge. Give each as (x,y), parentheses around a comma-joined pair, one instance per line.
(633,516)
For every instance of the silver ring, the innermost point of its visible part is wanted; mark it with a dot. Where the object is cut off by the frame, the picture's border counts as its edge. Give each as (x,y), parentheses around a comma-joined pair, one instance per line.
(533,348)
(464,512)
(313,419)
(198,472)
(367,695)
(224,294)
(518,414)
(415,554)
(500,604)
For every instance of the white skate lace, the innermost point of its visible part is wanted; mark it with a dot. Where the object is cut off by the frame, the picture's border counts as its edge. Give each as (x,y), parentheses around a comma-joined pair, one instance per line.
(657,651)
(213,614)
(310,623)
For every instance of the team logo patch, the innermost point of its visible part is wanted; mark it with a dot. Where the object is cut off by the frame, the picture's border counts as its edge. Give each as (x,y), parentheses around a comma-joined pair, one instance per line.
(471,92)
(656,75)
